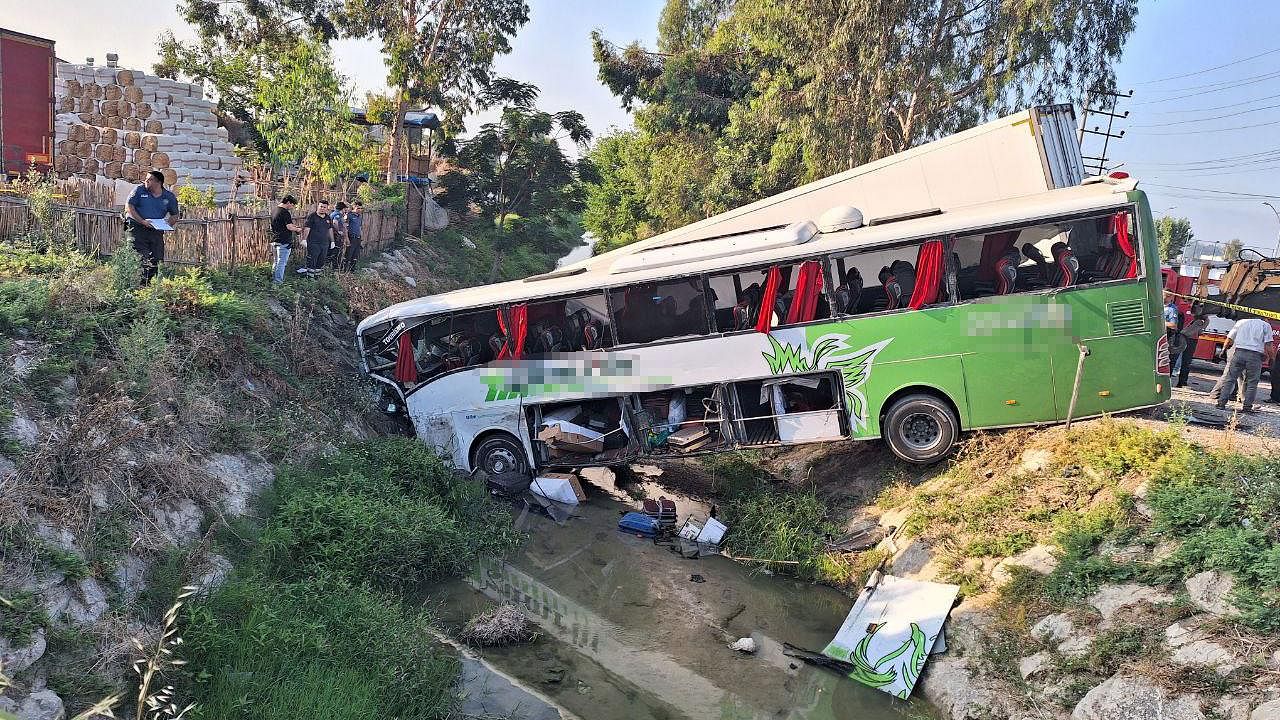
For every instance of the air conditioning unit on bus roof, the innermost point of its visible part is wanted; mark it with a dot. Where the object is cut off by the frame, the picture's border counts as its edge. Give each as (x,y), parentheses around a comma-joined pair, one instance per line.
(796,233)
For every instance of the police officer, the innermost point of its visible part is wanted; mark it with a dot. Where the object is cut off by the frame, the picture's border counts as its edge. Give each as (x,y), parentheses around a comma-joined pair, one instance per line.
(150,201)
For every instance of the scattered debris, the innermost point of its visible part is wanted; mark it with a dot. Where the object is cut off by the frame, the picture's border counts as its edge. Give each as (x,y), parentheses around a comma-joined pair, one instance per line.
(890,630)
(744,645)
(696,578)
(638,523)
(503,625)
(558,487)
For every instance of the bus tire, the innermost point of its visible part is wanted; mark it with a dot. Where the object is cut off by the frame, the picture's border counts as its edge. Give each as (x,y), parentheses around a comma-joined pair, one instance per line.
(920,429)
(500,456)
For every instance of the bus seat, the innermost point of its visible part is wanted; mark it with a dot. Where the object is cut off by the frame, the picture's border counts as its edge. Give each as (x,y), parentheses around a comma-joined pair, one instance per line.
(1007,272)
(546,338)
(783,304)
(1066,265)
(849,294)
(898,281)
(585,329)
(744,313)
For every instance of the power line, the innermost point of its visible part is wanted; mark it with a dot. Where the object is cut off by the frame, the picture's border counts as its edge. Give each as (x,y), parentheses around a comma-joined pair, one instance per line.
(1209,70)
(1272,151)
(1215,117)
(1211,190)
(1230,86)
(1214,130)
(1217,107)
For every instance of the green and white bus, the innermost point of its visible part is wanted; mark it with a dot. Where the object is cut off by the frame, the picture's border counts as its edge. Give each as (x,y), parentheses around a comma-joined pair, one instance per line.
(912,329)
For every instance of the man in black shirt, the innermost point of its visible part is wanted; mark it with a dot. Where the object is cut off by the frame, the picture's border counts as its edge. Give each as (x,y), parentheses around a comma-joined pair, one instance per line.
(282,230)
(316,233)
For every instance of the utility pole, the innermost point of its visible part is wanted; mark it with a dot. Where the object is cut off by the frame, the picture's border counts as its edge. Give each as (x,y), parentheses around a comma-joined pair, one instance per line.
(1108,103)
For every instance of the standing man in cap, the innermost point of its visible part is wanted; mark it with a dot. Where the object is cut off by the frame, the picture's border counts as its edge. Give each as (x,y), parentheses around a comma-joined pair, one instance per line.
(149,202)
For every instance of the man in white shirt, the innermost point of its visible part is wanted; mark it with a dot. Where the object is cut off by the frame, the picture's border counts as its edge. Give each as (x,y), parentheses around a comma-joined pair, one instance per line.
(1247,345)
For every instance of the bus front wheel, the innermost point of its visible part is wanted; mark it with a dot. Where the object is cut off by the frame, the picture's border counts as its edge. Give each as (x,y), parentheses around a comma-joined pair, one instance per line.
(920,428)
(500,456)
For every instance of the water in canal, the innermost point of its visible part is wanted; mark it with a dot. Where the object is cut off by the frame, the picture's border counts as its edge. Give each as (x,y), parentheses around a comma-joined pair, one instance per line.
(628,632)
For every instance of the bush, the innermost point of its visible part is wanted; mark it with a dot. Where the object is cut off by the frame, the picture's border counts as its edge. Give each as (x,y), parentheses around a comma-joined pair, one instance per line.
(316,649)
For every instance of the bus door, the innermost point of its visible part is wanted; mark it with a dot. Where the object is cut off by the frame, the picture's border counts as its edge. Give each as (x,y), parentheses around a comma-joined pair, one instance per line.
(1114,323)
(788,410)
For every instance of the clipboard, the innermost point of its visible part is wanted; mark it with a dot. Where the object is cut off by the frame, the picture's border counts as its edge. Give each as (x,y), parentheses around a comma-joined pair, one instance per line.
(160,224)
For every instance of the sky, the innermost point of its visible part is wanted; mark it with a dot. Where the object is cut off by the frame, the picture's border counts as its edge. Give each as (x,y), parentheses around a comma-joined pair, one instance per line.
(1202,135)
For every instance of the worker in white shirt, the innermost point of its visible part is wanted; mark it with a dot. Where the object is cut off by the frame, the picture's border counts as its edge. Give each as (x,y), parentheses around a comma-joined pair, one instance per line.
(1248,343)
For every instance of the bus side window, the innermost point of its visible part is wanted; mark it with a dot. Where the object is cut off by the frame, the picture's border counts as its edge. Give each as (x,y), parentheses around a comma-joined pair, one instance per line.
(652,311)
(878,280)
(800,296)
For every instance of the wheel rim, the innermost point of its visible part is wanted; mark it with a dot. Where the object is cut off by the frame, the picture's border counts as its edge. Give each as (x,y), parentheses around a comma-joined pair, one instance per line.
(500,460)
(921,431)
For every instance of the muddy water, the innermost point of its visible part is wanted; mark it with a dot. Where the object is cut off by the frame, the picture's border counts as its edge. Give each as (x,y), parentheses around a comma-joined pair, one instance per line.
(627,632)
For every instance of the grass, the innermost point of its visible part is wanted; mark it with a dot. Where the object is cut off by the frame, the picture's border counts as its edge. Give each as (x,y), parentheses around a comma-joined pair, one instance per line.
(311,623)
(471,266)
(20,616)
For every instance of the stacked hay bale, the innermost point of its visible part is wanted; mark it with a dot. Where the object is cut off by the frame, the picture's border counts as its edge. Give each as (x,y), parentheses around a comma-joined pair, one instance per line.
(114,125)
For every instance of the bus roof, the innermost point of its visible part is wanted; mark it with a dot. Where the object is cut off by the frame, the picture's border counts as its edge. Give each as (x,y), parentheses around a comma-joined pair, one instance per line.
(762,247)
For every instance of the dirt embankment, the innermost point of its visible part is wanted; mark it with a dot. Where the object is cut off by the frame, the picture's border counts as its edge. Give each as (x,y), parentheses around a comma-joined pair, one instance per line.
(1102,569)
(140,426)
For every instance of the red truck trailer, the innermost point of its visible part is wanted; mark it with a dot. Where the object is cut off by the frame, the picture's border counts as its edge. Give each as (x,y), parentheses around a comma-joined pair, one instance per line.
(26,102)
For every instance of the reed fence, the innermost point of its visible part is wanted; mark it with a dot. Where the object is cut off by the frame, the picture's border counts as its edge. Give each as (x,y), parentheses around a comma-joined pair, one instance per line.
(226,237)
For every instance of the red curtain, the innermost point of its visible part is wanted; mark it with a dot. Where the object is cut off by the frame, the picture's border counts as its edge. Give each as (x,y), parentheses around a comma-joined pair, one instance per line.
(406,371)
(994,247)
(929,271)
(808,286)
(514,326)
(765,321)
(1120,225)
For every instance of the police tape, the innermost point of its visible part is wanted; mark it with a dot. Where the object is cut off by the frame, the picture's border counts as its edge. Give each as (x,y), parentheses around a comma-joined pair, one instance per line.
(1252,311)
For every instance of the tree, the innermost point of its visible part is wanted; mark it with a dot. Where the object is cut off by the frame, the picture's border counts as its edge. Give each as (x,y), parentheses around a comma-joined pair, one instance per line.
(1232,250)
(515,171)
(783,92)
(239,42)
(439,53)
(306,117)
(1172,235)
(615,209)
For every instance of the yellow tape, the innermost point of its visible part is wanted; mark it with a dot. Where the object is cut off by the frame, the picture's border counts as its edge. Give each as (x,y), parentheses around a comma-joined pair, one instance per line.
(1251,311)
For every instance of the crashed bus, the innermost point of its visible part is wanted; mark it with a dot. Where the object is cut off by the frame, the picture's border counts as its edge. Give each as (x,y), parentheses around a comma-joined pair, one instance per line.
(907,326)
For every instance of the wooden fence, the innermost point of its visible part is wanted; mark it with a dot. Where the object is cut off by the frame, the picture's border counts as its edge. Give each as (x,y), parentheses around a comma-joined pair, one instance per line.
(223,238)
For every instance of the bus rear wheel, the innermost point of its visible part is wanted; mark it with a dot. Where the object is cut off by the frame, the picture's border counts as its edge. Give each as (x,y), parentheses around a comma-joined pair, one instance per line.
(920,428)
(500,456)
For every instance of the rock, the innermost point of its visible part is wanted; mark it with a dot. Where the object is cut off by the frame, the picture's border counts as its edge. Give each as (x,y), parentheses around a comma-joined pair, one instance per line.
(1183,632)
(1078,646)
(916,561)
(744,645)
(58,536)
(602,476)
(1135,699)
(243,477)
(8,705)
(216,570)
(1034,461)
(1039,559)
(1266,711)
(649,471)
(16,659)
(179,521)
(949,685)
(1122,554)
(130,576)
(1033,665)
(23,430)
(87,604)
(1207,653)
(7,468)
(43,705)
(1111,598)
(1210,591)
(1230,707)
(1054,628)
(410,281)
